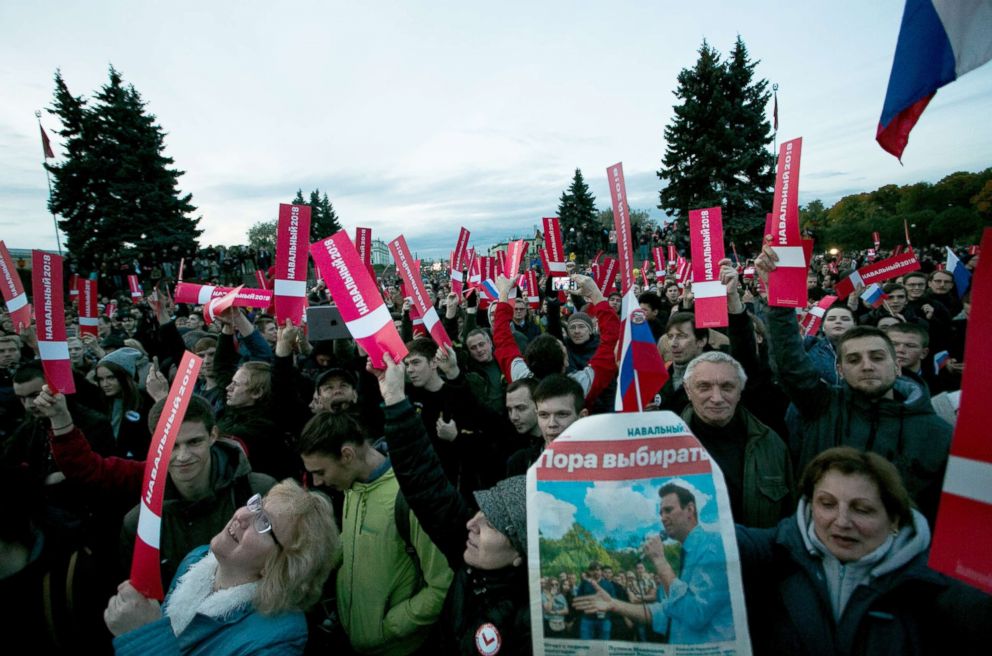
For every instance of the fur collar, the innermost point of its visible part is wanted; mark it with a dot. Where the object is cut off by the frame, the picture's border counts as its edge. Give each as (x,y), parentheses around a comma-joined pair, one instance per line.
(194,594)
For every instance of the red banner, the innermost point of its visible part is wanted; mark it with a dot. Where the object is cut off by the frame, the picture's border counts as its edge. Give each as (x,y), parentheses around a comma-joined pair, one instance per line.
(263,282)
(89,315)
(876,239)
(606,276)
(659,262)
(673,255)
(706,231)
(963,532)
(890,267)
(514,254)
(146,569)
(193,294)
(528,282)
(135,285)
(49,319)
(458,261)
(787,283)
(357,298)
(216,306)
(290,286)
(13,291)
(406,268)
(363,243)
(111,309)
(554,251)
(621,223)
(644,273)
(500,265)
(810,325)
(73,287)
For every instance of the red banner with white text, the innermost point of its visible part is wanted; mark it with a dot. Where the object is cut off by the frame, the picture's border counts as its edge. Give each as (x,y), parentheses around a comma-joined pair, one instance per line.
(415,286)
(146,569)
(290,285)
(357,298)
(14,296)
(135,285)
(193,294)
(890,267)
(787,283)
(363,243)
(49,319)
(458,261)
(706,231)
(659,262)
(89,314)
(962,538)
(554,250)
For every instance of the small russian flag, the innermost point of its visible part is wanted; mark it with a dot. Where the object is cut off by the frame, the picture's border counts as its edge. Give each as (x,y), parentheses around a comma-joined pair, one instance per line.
(489,289)
(940,361)
(962,277)
(873,296)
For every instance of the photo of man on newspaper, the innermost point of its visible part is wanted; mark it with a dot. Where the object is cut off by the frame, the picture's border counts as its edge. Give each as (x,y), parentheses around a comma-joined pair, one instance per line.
(693,606)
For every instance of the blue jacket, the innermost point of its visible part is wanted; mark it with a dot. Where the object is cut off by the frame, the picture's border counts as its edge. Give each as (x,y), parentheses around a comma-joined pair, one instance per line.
(243,632)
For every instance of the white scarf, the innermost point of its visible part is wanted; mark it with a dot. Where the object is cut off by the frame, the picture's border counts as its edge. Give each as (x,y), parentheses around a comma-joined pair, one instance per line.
(194,594)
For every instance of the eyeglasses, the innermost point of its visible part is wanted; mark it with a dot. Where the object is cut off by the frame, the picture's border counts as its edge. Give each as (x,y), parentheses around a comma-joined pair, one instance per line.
(261,521)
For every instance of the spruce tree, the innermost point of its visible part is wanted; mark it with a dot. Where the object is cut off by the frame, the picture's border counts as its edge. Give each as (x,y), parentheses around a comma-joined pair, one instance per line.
(578,215)
(116,191)
(323,220)
(716,144)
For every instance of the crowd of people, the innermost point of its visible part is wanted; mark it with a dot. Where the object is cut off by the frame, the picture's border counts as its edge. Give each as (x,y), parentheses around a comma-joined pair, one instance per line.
(317,504)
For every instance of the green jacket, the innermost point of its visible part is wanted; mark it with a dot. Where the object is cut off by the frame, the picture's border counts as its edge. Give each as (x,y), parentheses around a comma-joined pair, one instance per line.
(385,605)
(904,429)
(768,482)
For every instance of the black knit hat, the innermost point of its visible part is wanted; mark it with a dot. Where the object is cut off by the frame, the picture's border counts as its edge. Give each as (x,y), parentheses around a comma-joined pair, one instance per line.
(505,506)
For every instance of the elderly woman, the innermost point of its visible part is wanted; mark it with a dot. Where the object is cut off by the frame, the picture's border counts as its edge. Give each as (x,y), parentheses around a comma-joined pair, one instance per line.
(245,593)
(848,573)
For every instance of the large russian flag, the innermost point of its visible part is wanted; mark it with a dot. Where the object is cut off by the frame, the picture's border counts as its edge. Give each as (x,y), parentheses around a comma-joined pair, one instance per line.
(939,41)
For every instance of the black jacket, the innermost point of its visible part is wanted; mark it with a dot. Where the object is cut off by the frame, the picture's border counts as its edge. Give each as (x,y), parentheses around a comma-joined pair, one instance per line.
(476,597)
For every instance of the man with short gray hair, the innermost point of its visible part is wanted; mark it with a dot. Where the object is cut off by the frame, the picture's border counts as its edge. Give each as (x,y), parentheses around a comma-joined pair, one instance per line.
(753,458)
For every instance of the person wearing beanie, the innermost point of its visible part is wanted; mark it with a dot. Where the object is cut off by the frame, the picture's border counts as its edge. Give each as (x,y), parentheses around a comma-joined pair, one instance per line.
(487,609)
(125,404)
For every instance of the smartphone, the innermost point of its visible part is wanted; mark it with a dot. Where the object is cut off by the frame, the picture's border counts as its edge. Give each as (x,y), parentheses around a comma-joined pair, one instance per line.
(563,284)
(324,322)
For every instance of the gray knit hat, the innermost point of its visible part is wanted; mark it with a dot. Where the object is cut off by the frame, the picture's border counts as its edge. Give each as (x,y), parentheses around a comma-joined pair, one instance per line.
(582,316)
(126,358)
(505,506)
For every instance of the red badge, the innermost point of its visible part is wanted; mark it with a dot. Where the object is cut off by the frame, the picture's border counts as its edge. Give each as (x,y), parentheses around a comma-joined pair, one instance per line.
(488,640)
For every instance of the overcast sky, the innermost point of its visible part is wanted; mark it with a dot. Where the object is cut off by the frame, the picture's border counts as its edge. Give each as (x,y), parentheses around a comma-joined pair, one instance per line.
(421,117)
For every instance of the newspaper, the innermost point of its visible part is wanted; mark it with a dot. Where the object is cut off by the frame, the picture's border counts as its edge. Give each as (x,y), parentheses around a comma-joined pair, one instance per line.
(631,543)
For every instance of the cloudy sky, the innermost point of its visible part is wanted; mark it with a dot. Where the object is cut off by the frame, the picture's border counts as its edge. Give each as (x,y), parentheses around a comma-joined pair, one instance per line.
(420,117)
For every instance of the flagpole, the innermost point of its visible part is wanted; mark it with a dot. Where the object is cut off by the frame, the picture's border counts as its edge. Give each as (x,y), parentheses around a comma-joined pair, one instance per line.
(775,132)
(48,176)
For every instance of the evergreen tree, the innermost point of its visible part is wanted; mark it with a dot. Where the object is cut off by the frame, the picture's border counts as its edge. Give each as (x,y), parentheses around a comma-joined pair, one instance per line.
(578,216)
(116,191)
(716,144)
(323,219)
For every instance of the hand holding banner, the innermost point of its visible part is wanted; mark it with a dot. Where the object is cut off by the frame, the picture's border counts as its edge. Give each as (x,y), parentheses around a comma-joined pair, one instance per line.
(290,287)
(706,230)
(458,261)
(13,291)
(787,283)
(49,318)
(146,572)
(406,268)
(216,306)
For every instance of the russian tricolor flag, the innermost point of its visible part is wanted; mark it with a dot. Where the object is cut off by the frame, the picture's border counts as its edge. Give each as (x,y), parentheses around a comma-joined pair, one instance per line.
(873,296)
(642,370)
(940,361)
(962,277)
(939,41)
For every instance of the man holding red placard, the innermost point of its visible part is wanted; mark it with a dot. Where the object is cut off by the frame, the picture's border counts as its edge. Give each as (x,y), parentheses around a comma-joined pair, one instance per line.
(875,410)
